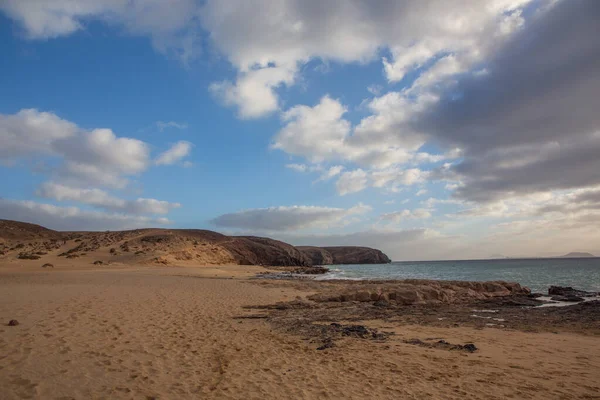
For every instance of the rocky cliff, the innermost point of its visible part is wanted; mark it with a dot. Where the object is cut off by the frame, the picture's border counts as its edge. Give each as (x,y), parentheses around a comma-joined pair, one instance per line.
(252,250)
(344,255)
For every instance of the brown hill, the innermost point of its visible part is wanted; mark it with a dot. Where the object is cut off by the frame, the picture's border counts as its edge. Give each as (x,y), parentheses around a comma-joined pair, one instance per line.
(344,255)
(10,230)
(19,240)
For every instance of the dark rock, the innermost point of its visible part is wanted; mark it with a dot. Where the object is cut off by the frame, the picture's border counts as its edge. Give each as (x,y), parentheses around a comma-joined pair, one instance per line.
(470,347)
(515,301)
(569,291)
(442,344)
(13,322)
(344,255)
(48,265)
(356,330)
(26,256)
(327,344)
(381,303)
(253,250)
(535,295)
(317,255)
(98,262)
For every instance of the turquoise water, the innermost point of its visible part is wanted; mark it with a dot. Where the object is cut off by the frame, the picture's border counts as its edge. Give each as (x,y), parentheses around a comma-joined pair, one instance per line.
(537,274)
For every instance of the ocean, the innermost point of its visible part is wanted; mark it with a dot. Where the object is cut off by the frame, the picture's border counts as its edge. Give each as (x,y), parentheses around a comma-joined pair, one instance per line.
(537,274)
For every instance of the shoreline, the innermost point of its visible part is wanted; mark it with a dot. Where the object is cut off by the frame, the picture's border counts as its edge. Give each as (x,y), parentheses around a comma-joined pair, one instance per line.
(218,332)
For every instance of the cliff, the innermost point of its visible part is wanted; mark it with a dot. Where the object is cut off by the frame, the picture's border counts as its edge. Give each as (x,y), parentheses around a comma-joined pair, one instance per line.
(344,255)
(252,250)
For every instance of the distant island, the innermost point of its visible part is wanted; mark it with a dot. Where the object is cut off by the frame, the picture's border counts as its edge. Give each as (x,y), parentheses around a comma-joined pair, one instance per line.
(576,254)
(497,257)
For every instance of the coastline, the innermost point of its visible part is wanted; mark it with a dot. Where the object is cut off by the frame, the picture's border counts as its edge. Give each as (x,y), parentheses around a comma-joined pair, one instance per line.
(217,332)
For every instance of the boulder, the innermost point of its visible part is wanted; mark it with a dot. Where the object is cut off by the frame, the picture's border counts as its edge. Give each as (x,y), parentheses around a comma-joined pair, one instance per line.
(569,291)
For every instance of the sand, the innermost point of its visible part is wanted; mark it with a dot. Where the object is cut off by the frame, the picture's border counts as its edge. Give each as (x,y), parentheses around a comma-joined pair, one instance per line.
(122,332)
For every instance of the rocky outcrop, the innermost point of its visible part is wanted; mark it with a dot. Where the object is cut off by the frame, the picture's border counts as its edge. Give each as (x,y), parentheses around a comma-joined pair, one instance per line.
(317,255)
(252,250)
(567,293)
(413,291)
(344,255)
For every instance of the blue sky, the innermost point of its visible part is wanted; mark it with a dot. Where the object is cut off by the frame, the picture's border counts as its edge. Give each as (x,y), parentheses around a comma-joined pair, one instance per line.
(420,129)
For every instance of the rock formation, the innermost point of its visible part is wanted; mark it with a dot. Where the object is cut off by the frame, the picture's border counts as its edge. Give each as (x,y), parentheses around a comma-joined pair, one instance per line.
(414,291)
(344,255)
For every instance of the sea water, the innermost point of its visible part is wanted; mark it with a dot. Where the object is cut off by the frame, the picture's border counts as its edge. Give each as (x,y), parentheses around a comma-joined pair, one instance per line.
(537,274)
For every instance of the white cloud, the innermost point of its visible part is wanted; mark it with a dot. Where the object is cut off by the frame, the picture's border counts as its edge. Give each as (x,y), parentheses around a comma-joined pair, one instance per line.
(326,173)
(317,133)
(375,89)
(254,91)
(352,182)
(73,218)
(397,177)
(175,154)
(297,167)
(398,216)
(331,172)
(81,162)
(90,157)
(172,26)
(421,192)
(31,132)
(289,218)
(393,179)
(294,32)
(100,198)
(100,157)
(161,125)
(320,133)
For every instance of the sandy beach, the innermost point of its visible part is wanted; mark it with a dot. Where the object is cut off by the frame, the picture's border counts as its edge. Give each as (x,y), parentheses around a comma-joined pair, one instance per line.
(122,332)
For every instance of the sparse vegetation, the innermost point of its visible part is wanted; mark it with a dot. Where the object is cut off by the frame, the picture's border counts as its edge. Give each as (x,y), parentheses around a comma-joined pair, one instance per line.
(27,256)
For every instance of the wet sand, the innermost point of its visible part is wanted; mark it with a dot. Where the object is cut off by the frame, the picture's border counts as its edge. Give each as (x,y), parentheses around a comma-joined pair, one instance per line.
(175,333)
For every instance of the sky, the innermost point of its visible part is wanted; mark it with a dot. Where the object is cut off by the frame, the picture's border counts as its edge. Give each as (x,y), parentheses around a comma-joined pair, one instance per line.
(430,129)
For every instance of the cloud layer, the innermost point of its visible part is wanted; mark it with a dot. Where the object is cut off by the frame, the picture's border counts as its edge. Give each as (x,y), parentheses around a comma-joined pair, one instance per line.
(73,218)
(289,218)
(172,26)
(83,165)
